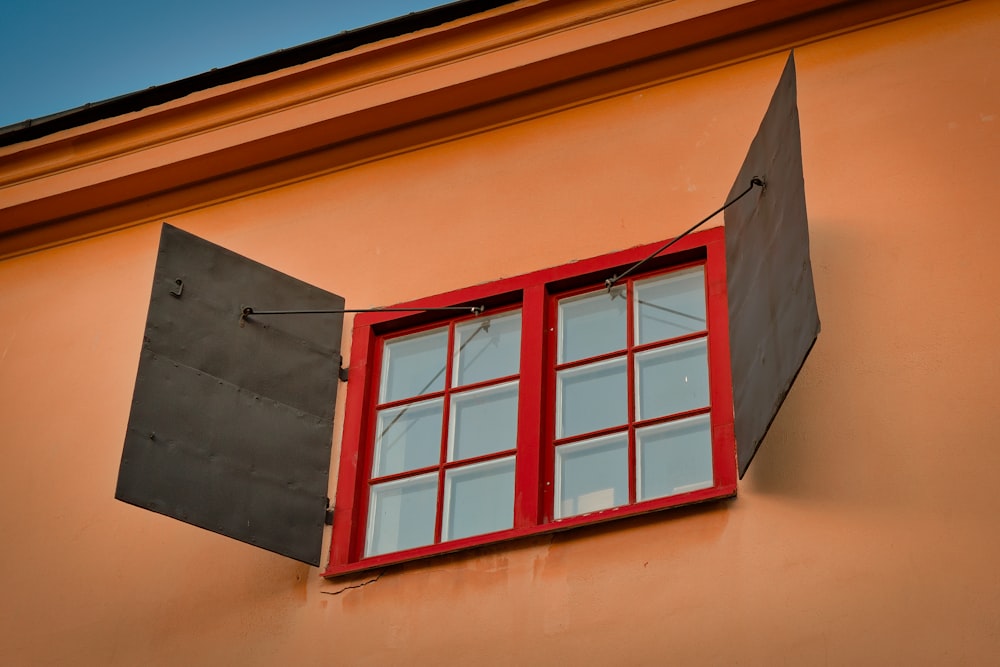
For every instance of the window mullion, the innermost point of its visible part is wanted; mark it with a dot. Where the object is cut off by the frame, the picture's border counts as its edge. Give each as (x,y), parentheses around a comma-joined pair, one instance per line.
(632,391)
(532,401)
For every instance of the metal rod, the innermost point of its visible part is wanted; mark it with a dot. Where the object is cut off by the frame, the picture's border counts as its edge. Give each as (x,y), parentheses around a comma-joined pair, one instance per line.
(249,310)
(610,282)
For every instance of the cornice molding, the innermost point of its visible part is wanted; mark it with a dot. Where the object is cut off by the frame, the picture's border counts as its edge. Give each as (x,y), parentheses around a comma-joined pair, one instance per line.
(513,61)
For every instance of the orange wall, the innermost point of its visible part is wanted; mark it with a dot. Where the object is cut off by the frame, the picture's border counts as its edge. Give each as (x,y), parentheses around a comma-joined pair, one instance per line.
(864,532)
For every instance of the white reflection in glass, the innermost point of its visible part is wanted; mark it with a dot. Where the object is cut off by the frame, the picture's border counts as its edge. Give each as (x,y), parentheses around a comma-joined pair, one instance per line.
(401,514)
(479,499)
(592,324)
(672,379)
(483,421)
(413,365)
(670,306)
(591,475)
(591,397)
(674,457)
(408,437)
(487,348)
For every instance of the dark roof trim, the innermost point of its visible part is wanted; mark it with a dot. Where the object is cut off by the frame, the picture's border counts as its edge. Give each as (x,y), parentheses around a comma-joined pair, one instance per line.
(271,62)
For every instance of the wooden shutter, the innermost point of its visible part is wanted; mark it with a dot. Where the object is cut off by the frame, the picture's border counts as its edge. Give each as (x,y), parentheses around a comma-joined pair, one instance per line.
(773,319)
(232,422)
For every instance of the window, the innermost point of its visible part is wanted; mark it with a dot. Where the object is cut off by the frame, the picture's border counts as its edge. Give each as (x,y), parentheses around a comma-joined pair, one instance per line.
(562,404)
(632,405)
(445,434)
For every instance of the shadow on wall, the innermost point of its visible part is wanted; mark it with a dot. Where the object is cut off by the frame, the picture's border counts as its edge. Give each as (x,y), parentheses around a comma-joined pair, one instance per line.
(829,436)
(797,441)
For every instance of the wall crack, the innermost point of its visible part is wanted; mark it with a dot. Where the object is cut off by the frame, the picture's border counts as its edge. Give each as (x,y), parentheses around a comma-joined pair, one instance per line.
(361,585)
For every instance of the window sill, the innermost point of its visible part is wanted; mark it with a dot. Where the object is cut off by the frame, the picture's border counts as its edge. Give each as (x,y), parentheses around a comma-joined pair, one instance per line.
(491,539)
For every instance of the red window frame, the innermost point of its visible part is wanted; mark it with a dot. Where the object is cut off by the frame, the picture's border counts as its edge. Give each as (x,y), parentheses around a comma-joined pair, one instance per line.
(536,294)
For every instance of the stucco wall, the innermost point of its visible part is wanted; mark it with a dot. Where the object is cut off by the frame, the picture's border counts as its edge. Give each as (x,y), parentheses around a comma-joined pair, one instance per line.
(864,532)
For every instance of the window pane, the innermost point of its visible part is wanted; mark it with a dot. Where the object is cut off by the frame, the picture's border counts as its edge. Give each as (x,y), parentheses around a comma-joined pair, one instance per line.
(591,475)
(413,365)
(401,514)
(672,379)
(483,421)
(408,437)
(674,457)
(592,324)
(487,348)
(670,306)
(479,499)
(591,397)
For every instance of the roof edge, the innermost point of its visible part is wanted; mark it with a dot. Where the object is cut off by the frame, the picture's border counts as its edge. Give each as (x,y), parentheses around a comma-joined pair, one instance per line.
(35,128)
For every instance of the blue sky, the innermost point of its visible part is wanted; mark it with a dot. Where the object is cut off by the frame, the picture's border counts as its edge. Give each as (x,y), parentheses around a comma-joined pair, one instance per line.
(60,54)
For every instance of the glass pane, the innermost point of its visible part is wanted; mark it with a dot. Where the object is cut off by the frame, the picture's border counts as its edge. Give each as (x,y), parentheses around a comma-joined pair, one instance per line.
(479,499)
(413,365)
(483,421)
(591,397)
(672,379)
(591,475)
(674,457)
(408,437)
(592,324)
(401,514)
(487,348)
(670,306)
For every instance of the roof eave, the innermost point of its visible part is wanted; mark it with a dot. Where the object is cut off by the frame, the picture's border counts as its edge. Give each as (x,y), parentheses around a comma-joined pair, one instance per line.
(321,48)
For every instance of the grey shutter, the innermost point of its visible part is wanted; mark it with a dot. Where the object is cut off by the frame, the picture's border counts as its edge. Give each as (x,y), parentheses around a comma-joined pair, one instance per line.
(231,424)
(773,320)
